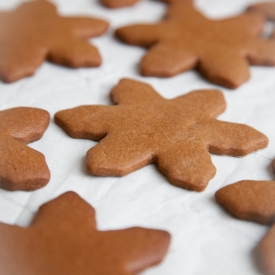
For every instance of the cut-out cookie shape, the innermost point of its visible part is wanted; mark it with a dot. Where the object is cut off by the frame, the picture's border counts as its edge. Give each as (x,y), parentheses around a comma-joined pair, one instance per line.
(21,167)
(266,252)
(267,9)
(220,49)
(176,135)
(249,200)
(35,32)
(63,239)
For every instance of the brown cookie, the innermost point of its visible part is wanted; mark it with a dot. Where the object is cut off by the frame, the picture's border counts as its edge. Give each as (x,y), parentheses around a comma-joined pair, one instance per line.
(220,49)
(63,239)
(249,200)
(176,135)
(22,168)
(113,4)
(35,32)
(266,252)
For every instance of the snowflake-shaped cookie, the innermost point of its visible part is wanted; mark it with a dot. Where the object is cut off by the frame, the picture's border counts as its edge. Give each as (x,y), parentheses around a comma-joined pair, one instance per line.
(35,32)
(176,135)
(21,167)
(63,239)
(220,49)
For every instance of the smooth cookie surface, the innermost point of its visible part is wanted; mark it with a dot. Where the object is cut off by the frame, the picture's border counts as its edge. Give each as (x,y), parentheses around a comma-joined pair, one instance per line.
(176,135)
(63,239)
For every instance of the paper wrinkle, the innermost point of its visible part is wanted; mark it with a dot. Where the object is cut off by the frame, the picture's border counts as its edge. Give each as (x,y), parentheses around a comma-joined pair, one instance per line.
(205,238)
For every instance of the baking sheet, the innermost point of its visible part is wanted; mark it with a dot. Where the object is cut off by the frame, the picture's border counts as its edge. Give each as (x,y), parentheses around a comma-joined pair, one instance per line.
(205,239)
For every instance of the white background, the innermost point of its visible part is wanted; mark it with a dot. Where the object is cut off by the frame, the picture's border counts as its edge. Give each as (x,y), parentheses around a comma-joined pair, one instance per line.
(206,240)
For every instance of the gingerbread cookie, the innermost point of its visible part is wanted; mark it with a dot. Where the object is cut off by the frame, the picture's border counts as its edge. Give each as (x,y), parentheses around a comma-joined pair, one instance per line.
(220,49)
(266,252)
(249,200)
(35,32)
(63,239)
(22,168)
(176,135)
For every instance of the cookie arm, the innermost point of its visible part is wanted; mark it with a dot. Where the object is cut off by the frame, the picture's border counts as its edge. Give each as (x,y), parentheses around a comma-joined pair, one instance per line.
(222,67)
(118,156)
(210,101)
(21,168)
(250,23)
(187,165)
(87,122)
(19,63)
(24,124)
(166,60)
(233,139)
(86,27)
(38,6)
(75,53)
(140,35)
(249,200)
(179,10)
(130,91)
(68,212)
(139,248)
(261,52)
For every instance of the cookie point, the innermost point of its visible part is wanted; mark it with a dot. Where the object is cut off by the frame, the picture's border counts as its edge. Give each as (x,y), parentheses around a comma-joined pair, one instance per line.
(70,194)
(45,3)
(127,81)
(59,117)
(90,62)
(105,25)
(121,33)
(44,178)
(166,236)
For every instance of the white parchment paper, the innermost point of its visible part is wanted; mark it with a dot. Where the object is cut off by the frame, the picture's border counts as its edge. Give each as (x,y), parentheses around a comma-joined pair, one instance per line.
(206,240)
